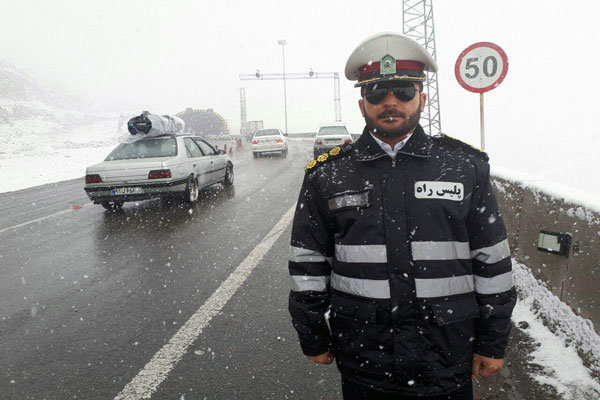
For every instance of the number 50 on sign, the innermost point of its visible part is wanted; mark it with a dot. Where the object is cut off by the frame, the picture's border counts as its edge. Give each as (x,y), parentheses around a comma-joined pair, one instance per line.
(481,67)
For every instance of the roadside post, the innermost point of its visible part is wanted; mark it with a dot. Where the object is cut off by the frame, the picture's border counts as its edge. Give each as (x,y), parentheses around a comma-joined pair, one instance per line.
(480,68)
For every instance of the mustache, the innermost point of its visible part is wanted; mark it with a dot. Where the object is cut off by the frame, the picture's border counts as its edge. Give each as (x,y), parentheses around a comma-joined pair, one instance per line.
(391,113)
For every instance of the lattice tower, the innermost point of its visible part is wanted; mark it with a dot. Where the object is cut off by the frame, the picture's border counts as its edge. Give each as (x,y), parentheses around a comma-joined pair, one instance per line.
(417,23)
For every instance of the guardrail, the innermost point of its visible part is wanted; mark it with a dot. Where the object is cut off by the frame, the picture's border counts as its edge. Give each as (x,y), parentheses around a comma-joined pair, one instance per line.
(230,146)
(355,136)
(302,135)
(573,277)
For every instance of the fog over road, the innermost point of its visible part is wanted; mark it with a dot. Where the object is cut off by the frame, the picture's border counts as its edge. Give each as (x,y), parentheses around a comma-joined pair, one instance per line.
(88,297)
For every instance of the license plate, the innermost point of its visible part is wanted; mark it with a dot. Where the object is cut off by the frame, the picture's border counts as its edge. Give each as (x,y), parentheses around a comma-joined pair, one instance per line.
(127,190)
(331,141)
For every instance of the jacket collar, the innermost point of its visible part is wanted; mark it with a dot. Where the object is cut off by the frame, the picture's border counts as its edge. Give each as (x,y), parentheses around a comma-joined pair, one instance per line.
(367,149)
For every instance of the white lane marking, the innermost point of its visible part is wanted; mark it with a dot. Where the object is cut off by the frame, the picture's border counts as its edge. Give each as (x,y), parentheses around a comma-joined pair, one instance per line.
(158,368)
(40,219)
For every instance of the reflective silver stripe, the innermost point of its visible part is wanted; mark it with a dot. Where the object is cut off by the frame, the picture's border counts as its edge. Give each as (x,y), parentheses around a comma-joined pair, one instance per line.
(497,284)
(372,253)
(376,289)
(439,287)
(349,200)
(301,283)
(298,254)
(492,254)
(440,251)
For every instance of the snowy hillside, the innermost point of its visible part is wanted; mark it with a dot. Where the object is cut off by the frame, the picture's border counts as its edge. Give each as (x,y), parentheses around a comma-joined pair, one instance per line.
(31,127)
(16,85)
(42,129)
(39,116)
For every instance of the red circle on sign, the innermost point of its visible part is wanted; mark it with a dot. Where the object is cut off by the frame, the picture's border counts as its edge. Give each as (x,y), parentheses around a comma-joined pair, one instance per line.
(497,82)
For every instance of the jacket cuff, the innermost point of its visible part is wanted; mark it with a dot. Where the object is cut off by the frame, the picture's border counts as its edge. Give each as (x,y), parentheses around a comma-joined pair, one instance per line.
(490,348)
(315,345)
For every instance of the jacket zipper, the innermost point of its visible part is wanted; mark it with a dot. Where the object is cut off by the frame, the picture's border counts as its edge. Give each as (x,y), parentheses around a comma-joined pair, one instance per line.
(393,161)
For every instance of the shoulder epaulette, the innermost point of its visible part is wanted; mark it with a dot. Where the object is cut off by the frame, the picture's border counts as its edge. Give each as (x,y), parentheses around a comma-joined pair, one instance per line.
(465,146)
(336,152)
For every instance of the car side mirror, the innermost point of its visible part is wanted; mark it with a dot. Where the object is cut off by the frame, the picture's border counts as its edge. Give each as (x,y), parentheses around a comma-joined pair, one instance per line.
(221,151)
(285,134)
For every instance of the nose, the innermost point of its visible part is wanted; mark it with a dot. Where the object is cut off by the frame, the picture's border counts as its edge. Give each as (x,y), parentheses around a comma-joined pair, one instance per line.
(390,100)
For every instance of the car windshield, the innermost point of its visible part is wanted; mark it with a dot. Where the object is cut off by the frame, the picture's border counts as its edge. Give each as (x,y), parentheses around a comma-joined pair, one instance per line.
(267,132)
(145,148)
(332,130)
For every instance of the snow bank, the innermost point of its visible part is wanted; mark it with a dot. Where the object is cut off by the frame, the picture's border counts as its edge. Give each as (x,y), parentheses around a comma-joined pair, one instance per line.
(25,171)
(561,366)
(573,331)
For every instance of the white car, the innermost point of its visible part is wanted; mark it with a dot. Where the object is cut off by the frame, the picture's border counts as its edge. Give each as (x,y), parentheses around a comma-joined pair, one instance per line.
(159,166)
(269,141)
(330,136)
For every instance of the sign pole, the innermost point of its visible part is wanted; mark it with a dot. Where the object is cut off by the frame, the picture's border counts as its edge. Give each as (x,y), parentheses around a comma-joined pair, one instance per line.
(481,123)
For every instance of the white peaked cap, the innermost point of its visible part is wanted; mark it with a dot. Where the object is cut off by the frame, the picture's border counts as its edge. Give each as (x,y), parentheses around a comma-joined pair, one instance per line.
(372,60)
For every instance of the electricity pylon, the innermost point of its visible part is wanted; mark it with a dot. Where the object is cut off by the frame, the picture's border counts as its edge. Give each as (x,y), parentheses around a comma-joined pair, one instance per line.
(417,23)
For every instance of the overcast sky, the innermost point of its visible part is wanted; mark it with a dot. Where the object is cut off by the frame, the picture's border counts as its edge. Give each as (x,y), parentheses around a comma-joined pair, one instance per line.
(168,55)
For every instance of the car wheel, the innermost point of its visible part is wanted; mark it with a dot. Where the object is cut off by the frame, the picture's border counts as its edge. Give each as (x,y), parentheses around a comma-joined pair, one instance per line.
(255,155)
(228,181)
(284,153)
(112,205)
(191,191)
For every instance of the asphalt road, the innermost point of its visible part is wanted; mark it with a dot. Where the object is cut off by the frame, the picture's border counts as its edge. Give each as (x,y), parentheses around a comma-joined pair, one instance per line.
(88,297)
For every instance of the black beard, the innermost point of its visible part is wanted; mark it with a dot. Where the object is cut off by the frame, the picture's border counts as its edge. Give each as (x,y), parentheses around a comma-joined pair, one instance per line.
(410,123)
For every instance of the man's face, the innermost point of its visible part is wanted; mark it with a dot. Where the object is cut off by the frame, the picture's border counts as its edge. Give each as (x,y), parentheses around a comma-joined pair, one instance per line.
(392,117)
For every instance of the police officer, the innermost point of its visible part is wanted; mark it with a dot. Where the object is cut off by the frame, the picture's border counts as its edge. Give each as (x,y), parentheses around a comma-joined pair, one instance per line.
(399,259)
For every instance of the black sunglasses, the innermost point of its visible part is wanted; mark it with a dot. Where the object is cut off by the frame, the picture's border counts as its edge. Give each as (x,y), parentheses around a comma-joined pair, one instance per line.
(375,94)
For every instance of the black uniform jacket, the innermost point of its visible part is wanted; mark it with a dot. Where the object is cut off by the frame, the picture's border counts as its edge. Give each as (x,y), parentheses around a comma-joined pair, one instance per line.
(410,257)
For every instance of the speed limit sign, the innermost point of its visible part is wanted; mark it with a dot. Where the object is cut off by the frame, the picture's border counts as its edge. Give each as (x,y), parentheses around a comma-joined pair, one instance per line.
(481,67)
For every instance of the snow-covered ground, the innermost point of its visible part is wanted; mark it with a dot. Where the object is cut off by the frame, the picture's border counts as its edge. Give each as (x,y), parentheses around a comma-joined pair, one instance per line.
(56,165)
(557,349)
(40,143)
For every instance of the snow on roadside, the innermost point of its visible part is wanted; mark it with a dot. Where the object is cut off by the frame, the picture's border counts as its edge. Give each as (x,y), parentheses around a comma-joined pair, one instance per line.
(32,170)
(559,340)
(42,144)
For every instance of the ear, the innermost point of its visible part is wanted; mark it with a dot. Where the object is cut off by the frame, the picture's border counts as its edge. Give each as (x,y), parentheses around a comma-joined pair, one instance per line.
(423,101)
(361,106)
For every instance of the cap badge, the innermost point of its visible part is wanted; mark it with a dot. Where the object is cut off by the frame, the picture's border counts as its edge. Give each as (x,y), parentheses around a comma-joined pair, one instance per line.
(387,65)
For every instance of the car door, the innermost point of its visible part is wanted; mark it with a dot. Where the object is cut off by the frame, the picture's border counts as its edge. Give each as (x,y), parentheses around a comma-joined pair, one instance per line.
(198,163)
(217,162)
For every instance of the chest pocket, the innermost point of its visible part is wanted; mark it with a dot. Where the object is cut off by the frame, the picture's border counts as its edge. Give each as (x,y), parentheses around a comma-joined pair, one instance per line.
(349,200)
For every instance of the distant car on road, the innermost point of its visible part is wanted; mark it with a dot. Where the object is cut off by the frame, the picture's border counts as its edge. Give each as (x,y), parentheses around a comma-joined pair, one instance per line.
(162,166)
(330,136)
(269,141)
